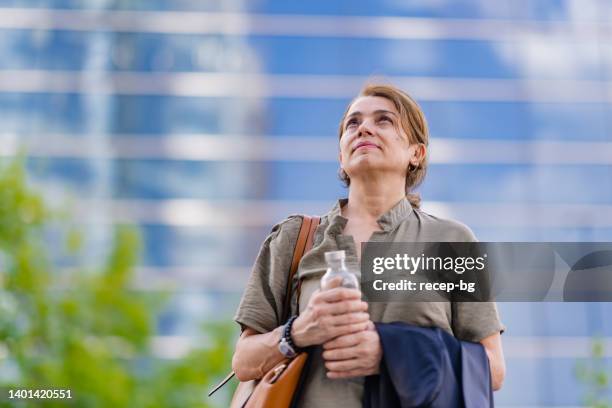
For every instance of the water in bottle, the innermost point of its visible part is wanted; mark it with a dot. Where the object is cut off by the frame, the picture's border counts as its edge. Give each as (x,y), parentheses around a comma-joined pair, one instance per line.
(336,267)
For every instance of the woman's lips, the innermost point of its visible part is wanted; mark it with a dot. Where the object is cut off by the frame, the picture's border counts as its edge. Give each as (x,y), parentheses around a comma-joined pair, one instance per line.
(366,145)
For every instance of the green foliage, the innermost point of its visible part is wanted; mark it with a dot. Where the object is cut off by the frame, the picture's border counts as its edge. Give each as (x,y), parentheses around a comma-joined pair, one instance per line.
(595,376)
(87,331)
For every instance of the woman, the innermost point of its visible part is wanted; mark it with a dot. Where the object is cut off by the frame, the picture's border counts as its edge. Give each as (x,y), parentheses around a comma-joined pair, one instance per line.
(383,144)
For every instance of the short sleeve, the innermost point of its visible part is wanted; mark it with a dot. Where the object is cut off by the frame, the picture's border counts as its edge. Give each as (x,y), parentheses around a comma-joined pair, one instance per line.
(473,321)
(263,297)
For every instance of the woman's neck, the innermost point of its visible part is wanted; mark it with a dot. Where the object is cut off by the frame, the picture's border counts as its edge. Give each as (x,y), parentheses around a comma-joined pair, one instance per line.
(370,201)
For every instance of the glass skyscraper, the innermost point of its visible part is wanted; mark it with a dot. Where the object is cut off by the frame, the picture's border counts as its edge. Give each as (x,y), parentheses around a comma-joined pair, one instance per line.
(206,122)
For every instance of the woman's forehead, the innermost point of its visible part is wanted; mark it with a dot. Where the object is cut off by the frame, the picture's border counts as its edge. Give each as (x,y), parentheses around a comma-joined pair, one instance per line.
(369,104)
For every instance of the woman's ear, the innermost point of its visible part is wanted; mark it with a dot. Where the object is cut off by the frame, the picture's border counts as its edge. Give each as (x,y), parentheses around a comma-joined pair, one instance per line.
(419,151)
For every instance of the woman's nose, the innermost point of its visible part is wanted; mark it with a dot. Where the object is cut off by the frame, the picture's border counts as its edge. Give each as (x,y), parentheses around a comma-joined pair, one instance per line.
(365,128)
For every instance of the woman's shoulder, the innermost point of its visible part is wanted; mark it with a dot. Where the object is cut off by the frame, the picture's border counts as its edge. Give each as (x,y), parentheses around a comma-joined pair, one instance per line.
(444,228)
(292,222)
(285,231)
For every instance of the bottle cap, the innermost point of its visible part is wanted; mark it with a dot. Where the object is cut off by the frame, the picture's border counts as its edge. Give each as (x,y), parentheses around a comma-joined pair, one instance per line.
(334,256)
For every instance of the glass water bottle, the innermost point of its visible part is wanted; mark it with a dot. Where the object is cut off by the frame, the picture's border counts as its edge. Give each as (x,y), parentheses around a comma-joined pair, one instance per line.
(336,267)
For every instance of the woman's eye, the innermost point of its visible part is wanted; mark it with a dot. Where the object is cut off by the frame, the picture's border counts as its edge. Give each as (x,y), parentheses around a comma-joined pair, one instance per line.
(351,123)
(385,119)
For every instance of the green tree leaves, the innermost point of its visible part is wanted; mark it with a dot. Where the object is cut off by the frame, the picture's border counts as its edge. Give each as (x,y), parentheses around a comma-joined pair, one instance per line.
(87,331)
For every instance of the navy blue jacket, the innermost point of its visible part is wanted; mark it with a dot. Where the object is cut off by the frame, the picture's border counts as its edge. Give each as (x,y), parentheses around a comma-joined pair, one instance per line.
(427,367)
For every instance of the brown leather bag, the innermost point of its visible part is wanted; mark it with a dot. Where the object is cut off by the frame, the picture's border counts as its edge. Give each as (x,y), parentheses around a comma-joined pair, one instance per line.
(279,388)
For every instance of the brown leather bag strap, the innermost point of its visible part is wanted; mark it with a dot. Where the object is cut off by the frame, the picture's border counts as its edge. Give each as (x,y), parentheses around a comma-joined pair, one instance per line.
(303,245)
(309,243)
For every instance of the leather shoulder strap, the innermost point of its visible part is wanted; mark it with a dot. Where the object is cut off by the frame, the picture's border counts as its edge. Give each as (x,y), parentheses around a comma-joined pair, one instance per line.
(303,245)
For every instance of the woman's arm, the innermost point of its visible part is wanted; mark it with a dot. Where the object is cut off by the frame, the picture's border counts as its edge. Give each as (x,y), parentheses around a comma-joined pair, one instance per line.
(493,347)
(329,314)
(256,353)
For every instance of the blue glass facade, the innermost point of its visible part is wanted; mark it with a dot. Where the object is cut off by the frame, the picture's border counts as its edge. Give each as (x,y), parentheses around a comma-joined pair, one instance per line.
(127,81)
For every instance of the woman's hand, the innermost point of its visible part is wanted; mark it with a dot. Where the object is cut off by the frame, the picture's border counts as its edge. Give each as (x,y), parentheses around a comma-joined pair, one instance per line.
(493,347)
(330,314)
(354,355)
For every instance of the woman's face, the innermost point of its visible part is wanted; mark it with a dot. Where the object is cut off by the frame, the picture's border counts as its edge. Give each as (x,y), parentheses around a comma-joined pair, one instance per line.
(373,139)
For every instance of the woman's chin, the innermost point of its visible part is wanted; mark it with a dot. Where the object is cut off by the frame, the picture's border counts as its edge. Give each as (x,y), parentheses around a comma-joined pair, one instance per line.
(367,164)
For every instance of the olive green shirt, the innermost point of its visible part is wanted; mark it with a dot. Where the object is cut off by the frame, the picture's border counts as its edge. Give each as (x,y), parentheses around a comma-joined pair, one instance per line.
(262,301)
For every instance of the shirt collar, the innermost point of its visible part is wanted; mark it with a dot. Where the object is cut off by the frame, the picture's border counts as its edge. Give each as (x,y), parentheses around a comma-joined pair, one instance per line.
(387,222)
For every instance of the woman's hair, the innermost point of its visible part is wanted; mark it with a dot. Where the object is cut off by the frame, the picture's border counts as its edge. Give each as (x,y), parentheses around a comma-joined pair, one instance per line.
(412,121)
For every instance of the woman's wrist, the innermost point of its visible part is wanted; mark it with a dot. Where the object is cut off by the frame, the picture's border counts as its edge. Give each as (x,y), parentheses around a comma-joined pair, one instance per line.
(296,333)
(286,345)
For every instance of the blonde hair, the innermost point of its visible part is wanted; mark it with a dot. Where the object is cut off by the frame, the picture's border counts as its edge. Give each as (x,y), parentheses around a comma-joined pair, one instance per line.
(412,121)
